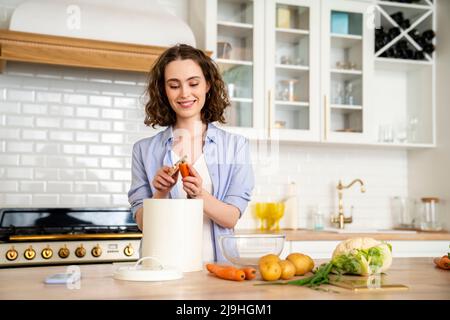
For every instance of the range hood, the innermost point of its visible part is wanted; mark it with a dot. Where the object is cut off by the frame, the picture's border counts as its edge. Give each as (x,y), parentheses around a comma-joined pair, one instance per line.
(91,34)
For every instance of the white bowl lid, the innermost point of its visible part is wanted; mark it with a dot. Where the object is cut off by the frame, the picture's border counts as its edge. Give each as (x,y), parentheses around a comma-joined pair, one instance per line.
(137,272)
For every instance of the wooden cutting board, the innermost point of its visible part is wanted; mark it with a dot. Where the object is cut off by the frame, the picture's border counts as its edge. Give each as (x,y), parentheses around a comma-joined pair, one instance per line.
(365,283)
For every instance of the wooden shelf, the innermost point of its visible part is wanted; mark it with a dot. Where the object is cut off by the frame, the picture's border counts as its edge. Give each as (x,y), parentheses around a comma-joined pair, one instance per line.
(76,52)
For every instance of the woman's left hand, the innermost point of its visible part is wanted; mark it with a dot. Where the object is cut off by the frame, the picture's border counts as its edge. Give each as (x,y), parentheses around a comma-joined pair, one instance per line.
(193,184)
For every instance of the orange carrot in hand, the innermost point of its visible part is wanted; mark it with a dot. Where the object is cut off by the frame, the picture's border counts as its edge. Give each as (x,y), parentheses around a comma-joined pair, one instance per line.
(226,272)
(184,169)
(250,273)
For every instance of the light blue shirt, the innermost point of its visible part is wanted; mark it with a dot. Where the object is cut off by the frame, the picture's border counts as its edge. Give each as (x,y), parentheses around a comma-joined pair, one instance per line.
(227,157)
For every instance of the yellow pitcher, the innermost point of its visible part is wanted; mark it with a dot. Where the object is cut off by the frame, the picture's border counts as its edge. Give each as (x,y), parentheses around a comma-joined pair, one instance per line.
(269,215)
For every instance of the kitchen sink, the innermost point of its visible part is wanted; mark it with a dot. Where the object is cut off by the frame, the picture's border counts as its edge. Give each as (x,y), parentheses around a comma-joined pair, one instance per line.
(367,230)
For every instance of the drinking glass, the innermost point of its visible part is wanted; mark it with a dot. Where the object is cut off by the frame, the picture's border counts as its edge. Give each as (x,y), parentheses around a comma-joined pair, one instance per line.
(338,99)
(413,124)
(349,98)
(401,132)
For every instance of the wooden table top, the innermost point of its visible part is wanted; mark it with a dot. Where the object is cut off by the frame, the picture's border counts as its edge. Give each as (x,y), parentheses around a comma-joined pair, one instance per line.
(424,280)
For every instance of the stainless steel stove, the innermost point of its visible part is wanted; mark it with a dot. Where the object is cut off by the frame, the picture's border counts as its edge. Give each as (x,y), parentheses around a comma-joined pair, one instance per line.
(46,236)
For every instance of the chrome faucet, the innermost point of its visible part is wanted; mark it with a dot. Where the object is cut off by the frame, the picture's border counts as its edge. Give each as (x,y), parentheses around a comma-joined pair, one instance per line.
(341,219)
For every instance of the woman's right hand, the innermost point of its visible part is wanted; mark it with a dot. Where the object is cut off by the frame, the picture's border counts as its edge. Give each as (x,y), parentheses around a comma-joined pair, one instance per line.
(163,182)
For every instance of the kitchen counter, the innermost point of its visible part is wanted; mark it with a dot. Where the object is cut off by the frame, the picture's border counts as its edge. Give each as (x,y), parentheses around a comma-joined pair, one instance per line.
(424,280)
(310,235)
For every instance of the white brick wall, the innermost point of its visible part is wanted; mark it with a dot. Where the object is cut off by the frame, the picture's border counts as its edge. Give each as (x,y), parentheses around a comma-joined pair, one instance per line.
(316,172)
(66,135)
(66,138)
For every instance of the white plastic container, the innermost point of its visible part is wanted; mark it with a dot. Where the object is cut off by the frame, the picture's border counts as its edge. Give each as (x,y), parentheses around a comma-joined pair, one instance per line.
(173,233)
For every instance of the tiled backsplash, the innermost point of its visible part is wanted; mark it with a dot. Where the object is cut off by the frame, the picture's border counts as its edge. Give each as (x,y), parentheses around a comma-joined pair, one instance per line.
(66,138)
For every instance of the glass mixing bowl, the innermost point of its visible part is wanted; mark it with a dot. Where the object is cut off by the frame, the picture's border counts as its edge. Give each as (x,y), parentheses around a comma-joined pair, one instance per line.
(246,249)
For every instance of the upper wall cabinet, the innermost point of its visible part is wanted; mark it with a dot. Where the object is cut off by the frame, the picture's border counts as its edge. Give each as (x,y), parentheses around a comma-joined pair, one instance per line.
(292,69)
(404,74)
(347,70)
(235,35)
(268,55)
(310,70)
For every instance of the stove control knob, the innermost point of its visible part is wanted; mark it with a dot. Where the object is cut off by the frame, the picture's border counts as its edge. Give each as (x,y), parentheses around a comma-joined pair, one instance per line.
(96,251)
(47,253)
(12,254)
(29,253)
(129,251)
(63,252)
(80,252)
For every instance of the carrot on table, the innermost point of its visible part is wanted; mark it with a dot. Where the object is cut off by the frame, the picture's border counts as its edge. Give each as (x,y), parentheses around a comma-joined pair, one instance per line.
(443,262)
(226,272)
(250,273)
(211,267)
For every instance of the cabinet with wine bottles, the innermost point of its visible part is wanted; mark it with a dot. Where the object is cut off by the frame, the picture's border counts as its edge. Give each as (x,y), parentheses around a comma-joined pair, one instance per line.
(404,73)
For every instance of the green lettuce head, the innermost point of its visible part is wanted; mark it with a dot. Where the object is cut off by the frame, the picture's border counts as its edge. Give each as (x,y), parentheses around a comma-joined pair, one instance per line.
(362,256)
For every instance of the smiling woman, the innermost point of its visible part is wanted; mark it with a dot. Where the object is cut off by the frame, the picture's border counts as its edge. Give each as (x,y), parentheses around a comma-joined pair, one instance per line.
(187,94)
(179,67)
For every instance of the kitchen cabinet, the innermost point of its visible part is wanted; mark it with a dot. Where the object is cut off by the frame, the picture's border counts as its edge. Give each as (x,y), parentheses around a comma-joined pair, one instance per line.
(347,70)
(267,54)
(404,89)
(270,55)
(320,244)
(234,30)
(409,248)
(292,69)
(304,70)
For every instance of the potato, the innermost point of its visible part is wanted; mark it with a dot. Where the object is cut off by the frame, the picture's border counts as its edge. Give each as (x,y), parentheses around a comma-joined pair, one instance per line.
(270,271)
(303,263)
(269,258)
(287,269)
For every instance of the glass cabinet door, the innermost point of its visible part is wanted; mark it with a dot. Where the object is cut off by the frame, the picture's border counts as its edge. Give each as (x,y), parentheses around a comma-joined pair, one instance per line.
(234,56)
(292,68)
(347,65)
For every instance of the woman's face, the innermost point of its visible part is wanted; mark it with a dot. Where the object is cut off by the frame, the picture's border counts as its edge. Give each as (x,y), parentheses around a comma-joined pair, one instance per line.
(186,88)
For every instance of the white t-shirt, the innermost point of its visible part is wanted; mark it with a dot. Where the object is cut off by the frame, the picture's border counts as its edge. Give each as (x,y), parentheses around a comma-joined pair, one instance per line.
(202,169)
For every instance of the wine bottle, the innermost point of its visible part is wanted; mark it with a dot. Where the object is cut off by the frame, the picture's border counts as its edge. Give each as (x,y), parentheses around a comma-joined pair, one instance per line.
(394,32)
(428,48)
(428,35)
(386,39)
(421,42)
(379,31)
(415,34)
(409,54)
(402,44)
(418,55)
(405,24)
(397,17)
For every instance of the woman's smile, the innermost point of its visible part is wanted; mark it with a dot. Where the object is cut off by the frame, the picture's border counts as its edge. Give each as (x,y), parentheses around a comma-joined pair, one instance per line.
(185,104)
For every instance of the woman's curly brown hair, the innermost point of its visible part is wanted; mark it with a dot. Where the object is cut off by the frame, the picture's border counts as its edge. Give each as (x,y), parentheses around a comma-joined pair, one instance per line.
(158,110)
